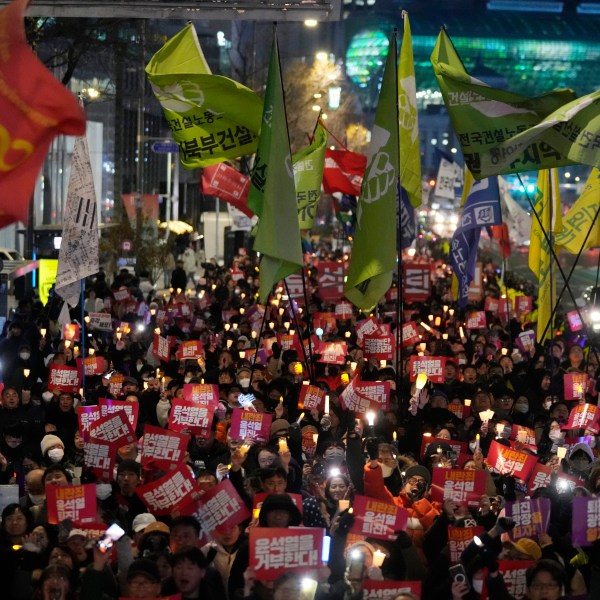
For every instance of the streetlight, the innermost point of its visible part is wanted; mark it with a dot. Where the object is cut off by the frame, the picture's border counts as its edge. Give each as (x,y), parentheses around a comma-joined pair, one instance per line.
(310,22)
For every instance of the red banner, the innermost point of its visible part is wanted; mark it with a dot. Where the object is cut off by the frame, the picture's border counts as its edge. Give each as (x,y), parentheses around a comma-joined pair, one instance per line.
(369,326)
(343,171)
(247,424)
(190,350)
(379,347)
(540,478)
(161,348)
(274,550)
(464,487)
(330,279)
(513,572)
(75,502)
(92,364)
(417,282)
(220,509)
(523,305)
(410,334)
(377,519)
(333,353)
(109,407)
(325,320)
(311,396)
(387,590)
(224,182)
(113,429)
(86,416)
(65,379)
(170,492)
(188,416)
(162,448)
(101,457)
(582,416)
(201,393)
(508,461)
(458,539)
(477,320)
(343,311)
(364,396)
(433,366)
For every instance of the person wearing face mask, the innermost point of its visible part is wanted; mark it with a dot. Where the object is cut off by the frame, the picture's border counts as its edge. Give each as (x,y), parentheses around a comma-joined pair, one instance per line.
(35,491)
(243,377)
(579,460)
(53,450)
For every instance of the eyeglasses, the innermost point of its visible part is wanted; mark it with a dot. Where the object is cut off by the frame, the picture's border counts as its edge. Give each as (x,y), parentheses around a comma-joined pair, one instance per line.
(544,586)
(415,480)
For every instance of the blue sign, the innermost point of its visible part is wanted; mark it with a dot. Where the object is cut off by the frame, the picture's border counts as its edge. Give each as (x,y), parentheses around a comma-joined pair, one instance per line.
(165,147)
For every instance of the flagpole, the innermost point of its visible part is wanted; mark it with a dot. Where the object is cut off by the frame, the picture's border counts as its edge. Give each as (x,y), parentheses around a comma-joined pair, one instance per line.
(551,243)
(297,323)
(308,321)
(258,340)
(82,340)
(552,252)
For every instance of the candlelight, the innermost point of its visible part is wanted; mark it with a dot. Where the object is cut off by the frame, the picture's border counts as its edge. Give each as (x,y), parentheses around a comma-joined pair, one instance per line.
(343,505)
(378,558)
(467,402)
(43,332)
(370,418)
(91,351)
(326,404)
(229,343)
(421,380)
(283,447)
(561,452)
(26,373)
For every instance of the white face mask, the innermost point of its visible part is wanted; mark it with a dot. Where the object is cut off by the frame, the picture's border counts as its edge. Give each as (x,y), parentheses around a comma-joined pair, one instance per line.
(103,490)
(478,585)
(245,382)
(187,379)
(522,408)
(24,355)
(139,366)
(56,454)
(47,396)
(462,361)
(386,471)
(37,499)
(555,435)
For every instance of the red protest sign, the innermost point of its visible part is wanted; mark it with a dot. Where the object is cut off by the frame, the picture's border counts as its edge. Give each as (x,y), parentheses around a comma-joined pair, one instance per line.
(477,320)
(188,416)
(369,326)
(462,486)
(121,295)
(190,350)
(163,448)
(457,447)
(115,385)
(220,509)
(523,305)
(531,517)
(325,320)
(585,521)
(311,396)
(433,366)
(287,341)
(508,461)
(379,347)
(343,311)
(330,280)
(575,385)
(172,491)
(75,502)
(332,352)
(201,393)
(524,435)
(275,550)
(86,416)
(161,348)
(114,429)
(99,456)
(247,424)
(364,396)
(378,590)
(490,304)
(540,477)
(410,334)
(65,379)
(582,416)
(92,365)
(460,410)
(417,282)
(458,540)
(109,407)
(377,519)
(513,572)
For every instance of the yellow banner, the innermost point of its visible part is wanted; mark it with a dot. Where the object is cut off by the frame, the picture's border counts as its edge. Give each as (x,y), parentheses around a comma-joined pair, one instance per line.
(47,277)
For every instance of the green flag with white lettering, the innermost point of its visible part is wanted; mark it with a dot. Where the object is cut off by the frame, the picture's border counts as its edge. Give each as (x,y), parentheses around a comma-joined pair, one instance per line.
(272,194)
(374,247)
(502,132)
(308,175)
(212,118)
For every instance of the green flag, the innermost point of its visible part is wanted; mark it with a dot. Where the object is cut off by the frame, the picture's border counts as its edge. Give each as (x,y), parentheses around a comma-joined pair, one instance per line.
(374,248)
(410,154)
(272,195)
(212,118)
(502,132)
(308,175)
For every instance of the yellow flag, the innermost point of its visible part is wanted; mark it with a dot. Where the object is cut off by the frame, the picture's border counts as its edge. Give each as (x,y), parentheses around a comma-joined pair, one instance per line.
(580,217)
(547,206)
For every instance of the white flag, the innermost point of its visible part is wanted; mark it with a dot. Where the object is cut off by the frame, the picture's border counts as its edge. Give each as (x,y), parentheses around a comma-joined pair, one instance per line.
(78,255)
(449,180)
(515,217)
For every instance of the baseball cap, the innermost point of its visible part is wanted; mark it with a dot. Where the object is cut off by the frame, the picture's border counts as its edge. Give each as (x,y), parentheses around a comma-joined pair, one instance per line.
(145,567)
(142,521)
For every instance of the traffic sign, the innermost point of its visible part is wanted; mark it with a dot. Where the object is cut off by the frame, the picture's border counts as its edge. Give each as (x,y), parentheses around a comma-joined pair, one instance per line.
(165,147)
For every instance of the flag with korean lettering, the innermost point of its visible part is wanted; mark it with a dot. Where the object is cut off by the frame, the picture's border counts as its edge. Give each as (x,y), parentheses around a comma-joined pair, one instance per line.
(229,185)
(458,540)
(376,519)
(531,517)
(248,424)
(503,132)
(131,409)
(170,492)
(464,487)
(481,209)
(508,461)
(65,379)
(581,216)
(374,253)
(585,521)
(575,386)
(220,509)
(311,397)
(74,502)
(433,366)
(275,550)
(373,589)
(101,457)
(201,393)
(212,118)
(308,175)
(162,448)
(364,396)
(35,108)
(78,256)
(114,429)
(546,204)
(272,194)
(161,347)
(190,417)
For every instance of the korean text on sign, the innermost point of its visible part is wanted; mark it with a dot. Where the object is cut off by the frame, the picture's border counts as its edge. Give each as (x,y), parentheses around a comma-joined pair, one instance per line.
(169,492)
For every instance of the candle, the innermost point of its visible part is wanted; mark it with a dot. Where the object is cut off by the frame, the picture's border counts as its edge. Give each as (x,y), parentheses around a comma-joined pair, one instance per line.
(283,447)
(467,402)
(382,364)
(91,351)
(421,380)
(255,513)
(394,436)
(299,419)
(343,505)
(163,380)
(315,437)
(371,418)
(43,332)
(244,449)
(486,415)
(378,558)
(477,438)
(26,373)
(326,404)
(561,452)
(353,365)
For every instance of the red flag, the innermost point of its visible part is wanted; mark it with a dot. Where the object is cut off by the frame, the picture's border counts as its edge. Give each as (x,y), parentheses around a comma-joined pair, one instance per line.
(500,233)
(226,183)
(343,171)
(34,108)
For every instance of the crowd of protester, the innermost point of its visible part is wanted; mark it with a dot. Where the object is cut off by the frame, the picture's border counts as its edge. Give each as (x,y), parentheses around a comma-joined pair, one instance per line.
(41,445)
